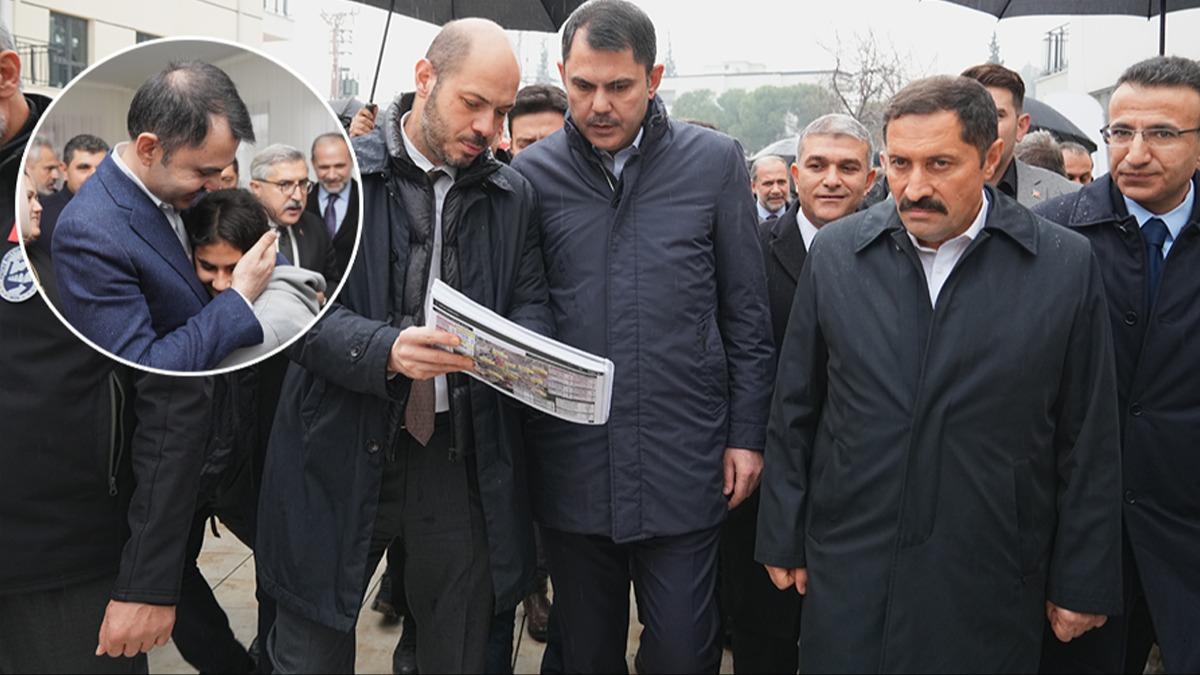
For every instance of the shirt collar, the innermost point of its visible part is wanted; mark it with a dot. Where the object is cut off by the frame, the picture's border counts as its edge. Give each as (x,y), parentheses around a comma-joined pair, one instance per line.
(419,159)
(807,229)
(627,150)
(1175,219)
(973,231)
(323,194)
(116,155)
(764,212)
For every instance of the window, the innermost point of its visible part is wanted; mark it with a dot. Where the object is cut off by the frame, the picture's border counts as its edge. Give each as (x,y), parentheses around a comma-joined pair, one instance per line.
(68,48)
(279,7)
(1056,50)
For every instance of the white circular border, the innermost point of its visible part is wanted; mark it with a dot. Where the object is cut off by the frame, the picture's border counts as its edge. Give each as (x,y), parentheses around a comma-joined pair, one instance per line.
(331,297)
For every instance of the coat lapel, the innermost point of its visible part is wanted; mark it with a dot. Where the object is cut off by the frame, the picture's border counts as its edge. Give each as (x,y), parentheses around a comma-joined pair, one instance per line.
(787,245)
(150,224)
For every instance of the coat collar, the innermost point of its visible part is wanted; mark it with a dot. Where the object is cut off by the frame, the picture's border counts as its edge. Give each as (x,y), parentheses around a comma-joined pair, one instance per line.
(1004,215)
(1101,202)
(655,125)
(786,243)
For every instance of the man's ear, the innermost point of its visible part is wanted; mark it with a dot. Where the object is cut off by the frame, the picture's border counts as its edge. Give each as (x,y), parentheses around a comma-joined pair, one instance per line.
(656,75)
(1023,123)
(10,74)
(425,78)
(148,149)
(991,161)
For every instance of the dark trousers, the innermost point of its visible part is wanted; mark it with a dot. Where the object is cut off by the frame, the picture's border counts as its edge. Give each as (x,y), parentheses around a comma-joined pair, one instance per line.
(202,632)
(431,502)
(57,631)
(674,579)
(763,621)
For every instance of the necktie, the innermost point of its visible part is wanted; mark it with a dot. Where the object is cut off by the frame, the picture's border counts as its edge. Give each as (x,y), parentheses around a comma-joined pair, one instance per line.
(284,244)
(420,412)
(772,216)
(331,223)
(1154,233)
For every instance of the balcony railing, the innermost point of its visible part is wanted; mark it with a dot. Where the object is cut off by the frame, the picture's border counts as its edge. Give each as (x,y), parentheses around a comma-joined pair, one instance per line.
(36,59)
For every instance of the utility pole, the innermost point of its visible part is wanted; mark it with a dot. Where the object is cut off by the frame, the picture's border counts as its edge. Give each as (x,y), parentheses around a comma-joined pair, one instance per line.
(341,37)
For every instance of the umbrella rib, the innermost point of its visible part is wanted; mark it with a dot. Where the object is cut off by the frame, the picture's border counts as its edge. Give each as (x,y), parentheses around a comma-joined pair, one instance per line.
(1007,4)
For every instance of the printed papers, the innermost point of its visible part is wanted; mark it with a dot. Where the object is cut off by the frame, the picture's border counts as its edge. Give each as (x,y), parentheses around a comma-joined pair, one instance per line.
(545,374)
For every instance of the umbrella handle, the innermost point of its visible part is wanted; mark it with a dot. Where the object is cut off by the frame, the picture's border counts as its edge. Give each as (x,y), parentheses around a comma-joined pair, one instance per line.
(383,45)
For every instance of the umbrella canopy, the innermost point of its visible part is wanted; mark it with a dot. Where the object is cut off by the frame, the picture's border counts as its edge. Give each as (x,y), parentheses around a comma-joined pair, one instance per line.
(1003,9)
(1044,117)
(785,148)
(546,16)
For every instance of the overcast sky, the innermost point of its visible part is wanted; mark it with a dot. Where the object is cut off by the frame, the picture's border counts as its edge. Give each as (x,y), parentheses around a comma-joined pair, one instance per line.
(937,36)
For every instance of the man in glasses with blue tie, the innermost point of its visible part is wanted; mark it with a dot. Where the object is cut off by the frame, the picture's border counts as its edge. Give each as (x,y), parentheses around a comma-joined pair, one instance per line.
(279,179)
(1143,220)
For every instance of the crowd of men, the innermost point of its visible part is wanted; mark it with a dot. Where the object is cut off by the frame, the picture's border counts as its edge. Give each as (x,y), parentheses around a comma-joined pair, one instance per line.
(961,379)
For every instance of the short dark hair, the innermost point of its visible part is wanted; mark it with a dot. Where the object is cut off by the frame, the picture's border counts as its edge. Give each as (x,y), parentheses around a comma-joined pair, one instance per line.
(85,142)
(330,136)
(961,95)
(537,98)
(996,75)
(176,105)
(1163,71)
(614,26)
(234,216)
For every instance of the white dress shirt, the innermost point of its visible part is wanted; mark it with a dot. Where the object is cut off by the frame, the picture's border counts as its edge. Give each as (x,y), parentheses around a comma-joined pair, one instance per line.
(940,262)
(807,229)
(441,187)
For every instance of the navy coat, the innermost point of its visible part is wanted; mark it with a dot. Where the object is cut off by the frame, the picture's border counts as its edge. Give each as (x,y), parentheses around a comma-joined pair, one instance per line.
(126,284)
(661,272)
(943,471)
(324,462)
(1158,385)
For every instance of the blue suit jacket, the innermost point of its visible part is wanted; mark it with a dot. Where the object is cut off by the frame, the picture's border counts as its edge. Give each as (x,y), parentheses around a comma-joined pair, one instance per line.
(127,285)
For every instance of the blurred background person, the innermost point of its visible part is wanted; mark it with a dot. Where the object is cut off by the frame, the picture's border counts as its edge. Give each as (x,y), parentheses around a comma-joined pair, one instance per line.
(1040,149)
(769,181)
(538,112)
(230,175)
(43,165)
(335,201)
(81,155)
(1077,161)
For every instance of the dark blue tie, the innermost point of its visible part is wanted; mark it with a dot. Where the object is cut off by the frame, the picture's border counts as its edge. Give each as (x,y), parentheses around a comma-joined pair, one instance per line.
(331,223)
(1154,233)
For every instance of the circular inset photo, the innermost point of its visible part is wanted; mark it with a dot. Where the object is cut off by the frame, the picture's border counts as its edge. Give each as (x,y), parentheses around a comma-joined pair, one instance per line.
(204,211)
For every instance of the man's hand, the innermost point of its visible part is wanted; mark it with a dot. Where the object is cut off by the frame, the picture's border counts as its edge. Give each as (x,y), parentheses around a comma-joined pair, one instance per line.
(253,271)
(742,470)
(364,121)
(785,578)
(130,628)
(416,354)
(1069,625)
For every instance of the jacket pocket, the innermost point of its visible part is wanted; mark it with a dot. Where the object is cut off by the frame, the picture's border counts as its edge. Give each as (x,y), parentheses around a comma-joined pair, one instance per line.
(1024,507)
(712,360)
(825,502)
(310,405)
(116,431)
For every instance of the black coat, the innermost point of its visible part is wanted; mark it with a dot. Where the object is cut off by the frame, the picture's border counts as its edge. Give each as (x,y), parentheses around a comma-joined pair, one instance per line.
(316,251)
(99,463)
(338,408)
(942,473)
(1158,386)
(783,256)
(343,239)
(661,272)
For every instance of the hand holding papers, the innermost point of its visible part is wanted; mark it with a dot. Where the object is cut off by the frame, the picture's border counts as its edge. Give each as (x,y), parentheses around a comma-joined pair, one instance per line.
(545,374)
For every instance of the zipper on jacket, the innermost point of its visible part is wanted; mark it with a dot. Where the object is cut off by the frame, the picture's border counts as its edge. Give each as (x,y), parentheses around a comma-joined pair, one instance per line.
(116,438)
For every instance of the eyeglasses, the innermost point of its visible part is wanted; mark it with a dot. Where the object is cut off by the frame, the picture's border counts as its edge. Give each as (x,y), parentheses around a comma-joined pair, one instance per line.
(1155,137)
(287,187)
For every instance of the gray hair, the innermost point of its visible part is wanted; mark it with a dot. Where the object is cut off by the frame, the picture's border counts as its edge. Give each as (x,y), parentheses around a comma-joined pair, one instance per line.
(40,142)
(1039,148)
(271,155)
(6,39)
(762,161)
(1073,147)
(835,124)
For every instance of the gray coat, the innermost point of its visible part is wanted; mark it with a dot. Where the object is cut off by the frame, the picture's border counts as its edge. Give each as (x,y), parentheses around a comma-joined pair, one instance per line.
(943,472)
(285,307)
(660,271)
(1035,184)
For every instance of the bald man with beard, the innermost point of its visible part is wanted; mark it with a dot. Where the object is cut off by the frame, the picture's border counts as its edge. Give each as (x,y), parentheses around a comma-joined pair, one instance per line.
(379,435)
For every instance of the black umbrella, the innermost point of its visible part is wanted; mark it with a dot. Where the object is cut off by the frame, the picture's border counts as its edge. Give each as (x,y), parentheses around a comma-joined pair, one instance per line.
(1044,117)
(546,16)
(1003,9)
